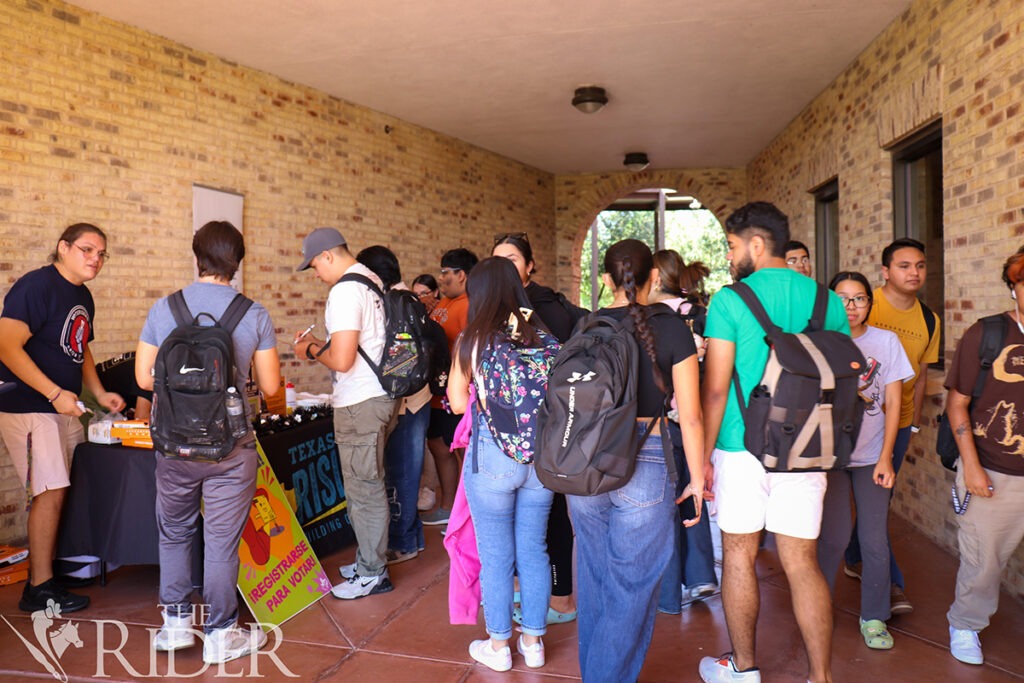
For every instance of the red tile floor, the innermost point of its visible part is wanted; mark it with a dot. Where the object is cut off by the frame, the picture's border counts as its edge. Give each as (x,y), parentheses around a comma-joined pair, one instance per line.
(405,636)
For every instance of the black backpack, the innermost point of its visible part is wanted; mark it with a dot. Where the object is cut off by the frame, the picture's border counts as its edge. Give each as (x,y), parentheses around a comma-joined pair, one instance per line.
(405,366)
(805,412)
(195,367)
(586,436)
(993,338)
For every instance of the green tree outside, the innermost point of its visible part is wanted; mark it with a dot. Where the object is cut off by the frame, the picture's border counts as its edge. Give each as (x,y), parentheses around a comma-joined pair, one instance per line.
(696,235)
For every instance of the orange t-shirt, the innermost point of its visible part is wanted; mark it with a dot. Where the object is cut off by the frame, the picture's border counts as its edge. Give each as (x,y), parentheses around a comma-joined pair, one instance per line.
(451,315)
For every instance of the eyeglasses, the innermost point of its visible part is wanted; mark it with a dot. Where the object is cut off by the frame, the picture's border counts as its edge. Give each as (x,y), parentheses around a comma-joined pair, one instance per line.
(794,260)
(89,251)
(445,271)
(859,301)
(498,239)
(426,294)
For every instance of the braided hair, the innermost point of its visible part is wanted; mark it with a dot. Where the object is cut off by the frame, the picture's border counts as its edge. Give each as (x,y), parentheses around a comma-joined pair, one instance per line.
(629,264)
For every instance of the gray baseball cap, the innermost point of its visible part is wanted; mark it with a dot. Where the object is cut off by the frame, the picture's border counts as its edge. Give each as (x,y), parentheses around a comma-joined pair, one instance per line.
(318,241)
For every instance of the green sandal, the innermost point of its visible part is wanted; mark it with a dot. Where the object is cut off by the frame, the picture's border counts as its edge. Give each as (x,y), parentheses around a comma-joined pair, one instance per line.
(875,634)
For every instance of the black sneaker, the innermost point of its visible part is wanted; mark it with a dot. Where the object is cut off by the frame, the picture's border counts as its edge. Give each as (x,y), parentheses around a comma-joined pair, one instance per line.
(34,598)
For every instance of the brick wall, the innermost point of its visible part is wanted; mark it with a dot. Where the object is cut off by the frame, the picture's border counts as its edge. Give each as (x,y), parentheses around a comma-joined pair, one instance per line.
(579,198)
(961,61)
(105,123)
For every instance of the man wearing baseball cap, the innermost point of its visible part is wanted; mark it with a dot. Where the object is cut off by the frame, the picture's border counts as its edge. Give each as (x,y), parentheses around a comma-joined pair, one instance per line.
(363,412)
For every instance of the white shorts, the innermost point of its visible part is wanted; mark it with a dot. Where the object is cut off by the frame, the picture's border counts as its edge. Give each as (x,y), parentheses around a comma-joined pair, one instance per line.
(41,445)
(750,499)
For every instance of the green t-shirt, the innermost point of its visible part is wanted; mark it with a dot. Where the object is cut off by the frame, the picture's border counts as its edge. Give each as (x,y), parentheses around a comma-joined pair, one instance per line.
(788,297)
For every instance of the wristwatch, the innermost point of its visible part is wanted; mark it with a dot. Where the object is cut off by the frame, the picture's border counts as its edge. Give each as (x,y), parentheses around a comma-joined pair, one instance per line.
(914,429)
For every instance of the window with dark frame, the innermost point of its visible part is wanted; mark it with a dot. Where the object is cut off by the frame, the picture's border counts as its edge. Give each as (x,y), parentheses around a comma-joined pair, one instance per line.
(917,209)
(826,230)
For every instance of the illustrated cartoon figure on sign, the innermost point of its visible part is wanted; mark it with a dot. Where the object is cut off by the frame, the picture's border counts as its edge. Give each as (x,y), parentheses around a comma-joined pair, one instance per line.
(260,527)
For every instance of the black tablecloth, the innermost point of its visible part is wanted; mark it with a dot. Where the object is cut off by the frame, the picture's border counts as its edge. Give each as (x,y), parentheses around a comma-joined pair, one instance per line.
(110,509)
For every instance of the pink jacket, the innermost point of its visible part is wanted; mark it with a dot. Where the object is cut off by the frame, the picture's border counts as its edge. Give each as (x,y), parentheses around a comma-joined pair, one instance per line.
(460,542)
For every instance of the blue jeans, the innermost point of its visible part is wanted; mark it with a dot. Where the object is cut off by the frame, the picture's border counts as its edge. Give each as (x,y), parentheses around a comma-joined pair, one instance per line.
(403,466)
(853,554)
(621,553)
(693,555)
(510,516)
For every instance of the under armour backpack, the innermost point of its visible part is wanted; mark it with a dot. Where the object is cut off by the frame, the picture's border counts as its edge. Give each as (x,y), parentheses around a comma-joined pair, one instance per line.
(405,365)
(805,413)
(195,367)
(587,442)
(513,380)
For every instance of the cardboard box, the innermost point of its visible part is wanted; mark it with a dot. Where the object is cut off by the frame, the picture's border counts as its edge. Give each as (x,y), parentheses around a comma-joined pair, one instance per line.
(130,429)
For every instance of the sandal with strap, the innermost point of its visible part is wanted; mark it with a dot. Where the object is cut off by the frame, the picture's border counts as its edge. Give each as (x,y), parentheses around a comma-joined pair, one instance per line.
(875,634)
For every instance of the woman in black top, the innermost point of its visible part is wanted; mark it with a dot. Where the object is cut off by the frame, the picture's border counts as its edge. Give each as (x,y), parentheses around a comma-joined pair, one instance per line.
(548,307)
(621,535)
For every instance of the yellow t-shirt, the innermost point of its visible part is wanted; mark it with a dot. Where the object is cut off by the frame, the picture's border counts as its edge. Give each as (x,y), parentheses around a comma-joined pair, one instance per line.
(910,327)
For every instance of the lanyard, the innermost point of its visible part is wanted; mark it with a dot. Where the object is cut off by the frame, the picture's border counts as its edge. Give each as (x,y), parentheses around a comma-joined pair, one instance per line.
(958,507)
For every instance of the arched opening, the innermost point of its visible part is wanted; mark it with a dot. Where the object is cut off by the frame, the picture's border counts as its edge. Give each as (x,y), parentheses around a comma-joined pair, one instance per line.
(663,218)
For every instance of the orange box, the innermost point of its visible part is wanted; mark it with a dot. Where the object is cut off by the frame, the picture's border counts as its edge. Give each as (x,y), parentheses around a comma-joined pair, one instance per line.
(131,430)
(133,442)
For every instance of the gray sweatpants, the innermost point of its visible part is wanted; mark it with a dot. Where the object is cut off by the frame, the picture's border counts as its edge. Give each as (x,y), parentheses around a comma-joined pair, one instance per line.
(225,490)
(360,432)
(872,503)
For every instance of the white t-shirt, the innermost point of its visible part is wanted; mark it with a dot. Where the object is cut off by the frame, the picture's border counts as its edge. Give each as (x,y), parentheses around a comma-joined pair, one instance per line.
(886,362)
(353,306)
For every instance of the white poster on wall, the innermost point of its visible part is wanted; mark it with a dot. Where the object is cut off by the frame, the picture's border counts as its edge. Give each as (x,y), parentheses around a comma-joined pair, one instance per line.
(209,204)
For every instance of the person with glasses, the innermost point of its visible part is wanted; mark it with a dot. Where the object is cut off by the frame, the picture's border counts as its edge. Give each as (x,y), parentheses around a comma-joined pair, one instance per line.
(425,289)
(45,330)
(870,475)
(450,313)
(991,471)
(546,303)
(798,257)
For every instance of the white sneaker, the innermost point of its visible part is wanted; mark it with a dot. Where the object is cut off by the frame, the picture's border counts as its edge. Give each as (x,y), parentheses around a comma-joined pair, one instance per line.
(426,500)
(533,654)
(361,586)
(499,660)
(965,646)
(723,670)
(347,571)
(232,642)
(175,634)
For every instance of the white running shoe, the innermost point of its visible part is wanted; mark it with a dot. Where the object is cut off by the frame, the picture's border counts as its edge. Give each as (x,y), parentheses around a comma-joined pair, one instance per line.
(533,654)
(232,642)
(723,670)
(965,646)
(347,571)
(361,586)
(175,634)
(499,660)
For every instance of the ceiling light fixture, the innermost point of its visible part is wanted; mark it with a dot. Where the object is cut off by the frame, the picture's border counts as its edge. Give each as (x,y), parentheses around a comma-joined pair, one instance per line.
(636,161)
(590,99)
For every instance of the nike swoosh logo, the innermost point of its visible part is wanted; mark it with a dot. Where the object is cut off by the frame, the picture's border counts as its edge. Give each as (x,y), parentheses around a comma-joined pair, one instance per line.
(184,370)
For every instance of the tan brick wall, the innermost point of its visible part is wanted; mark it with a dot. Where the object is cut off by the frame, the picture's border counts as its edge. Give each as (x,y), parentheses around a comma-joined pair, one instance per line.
(579,198)
(961,60)
(109,124)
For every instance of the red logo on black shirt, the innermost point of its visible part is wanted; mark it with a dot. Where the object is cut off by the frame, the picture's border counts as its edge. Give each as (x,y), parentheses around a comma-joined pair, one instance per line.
(75,333)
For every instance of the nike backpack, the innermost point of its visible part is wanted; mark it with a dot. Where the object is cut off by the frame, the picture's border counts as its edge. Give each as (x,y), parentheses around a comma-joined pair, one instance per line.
(195,367)
(805,412)
(408,361)
(587,442)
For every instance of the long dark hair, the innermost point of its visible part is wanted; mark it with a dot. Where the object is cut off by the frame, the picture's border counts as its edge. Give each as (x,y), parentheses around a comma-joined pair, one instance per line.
(521,242)
(495,292)
(629,264)
(384,264)
(681,279)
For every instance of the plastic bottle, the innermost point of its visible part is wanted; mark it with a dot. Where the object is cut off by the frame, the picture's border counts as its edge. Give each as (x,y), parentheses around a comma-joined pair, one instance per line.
(236,413)
(289,397)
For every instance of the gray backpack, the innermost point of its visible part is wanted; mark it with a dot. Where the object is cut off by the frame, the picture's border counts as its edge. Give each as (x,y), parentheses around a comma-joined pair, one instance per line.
(805,412)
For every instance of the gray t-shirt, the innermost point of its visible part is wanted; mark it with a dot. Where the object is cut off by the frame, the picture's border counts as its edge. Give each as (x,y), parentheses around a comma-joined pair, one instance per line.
(886,363)
(255,332)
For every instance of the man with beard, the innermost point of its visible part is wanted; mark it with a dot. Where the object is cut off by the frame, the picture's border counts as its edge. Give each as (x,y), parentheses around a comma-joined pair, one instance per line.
(750,499)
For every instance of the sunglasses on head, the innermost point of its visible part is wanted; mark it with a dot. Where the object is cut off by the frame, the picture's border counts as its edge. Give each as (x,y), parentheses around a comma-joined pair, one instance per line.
(498,239)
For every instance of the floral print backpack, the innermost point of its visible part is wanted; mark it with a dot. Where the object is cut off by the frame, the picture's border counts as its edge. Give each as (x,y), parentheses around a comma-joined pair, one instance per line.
(514,380)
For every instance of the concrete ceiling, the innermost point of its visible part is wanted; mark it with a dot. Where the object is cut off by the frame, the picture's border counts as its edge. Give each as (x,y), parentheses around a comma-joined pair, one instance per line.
(694,83)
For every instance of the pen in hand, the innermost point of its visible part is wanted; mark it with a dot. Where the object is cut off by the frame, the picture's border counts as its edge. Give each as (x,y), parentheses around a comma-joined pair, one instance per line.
(304,332)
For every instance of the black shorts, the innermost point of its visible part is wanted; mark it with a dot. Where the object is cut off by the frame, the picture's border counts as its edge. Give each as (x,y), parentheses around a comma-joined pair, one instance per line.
(442,425)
